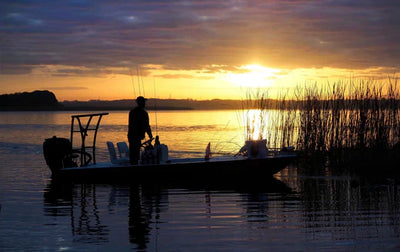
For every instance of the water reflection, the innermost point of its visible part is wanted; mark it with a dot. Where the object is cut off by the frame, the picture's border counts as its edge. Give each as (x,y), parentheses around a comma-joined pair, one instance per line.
(58,199)
(318,212)
(145,204)
(80,203)
(349,209)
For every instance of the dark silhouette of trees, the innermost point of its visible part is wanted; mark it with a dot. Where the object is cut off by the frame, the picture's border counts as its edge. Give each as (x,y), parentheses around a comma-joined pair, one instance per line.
(36,100)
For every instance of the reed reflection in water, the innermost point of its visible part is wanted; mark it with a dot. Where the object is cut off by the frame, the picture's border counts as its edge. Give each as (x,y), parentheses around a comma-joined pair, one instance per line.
(317,213)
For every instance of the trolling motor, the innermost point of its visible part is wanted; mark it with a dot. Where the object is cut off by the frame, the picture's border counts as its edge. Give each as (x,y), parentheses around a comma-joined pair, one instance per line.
(154,154)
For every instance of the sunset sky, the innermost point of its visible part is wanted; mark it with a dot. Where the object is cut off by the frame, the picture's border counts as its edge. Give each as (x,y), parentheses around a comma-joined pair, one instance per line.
(86,49)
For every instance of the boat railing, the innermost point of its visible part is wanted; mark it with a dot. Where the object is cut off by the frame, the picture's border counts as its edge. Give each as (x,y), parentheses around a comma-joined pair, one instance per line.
(91,125)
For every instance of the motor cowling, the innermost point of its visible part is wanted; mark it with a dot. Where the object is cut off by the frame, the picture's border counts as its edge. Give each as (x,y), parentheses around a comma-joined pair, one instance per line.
(58,153)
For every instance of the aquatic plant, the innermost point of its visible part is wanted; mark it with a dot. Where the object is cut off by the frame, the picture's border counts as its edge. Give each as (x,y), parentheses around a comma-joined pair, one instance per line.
(327,118)
(254,114)
(361,114)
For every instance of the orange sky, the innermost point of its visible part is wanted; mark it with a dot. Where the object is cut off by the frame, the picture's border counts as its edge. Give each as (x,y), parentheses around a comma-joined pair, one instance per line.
(83,50)
(180,84)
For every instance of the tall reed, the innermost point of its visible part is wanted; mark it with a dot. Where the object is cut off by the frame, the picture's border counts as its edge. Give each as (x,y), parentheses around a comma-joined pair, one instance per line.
(328,118)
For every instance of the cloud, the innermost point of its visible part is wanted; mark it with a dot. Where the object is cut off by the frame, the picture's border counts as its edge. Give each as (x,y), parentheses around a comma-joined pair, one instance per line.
(9,68)
(183,76)
(96,36)
(64,88)
(175,76)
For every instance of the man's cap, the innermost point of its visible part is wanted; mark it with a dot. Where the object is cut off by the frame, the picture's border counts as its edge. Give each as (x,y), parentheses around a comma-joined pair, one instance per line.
(141,99)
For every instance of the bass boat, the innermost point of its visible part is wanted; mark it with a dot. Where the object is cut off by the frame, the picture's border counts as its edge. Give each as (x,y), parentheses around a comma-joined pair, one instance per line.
(253,160)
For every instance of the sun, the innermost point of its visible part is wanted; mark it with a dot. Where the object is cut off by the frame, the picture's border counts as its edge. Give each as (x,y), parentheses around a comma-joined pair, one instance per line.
(253,76)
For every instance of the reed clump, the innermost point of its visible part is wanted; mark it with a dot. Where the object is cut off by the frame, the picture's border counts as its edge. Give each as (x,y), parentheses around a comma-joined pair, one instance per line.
(269,119)
(354,115)
(343,120)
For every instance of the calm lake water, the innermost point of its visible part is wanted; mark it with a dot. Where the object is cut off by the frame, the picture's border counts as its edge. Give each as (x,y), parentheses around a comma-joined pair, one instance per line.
(291,212)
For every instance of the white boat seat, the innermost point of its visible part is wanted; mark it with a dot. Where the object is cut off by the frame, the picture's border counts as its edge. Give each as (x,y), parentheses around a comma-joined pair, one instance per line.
(123,150)
(113,155)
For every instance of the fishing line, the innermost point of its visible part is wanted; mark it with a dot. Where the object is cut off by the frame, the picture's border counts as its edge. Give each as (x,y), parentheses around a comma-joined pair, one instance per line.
(140,82)
(141,77)
(155,104)
(138,79)
(133,83)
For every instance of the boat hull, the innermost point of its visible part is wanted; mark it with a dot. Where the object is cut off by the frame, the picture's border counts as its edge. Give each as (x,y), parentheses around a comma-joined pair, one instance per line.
(182,169)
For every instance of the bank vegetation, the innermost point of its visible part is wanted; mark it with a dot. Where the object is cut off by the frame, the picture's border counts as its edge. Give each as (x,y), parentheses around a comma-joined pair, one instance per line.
(348,121)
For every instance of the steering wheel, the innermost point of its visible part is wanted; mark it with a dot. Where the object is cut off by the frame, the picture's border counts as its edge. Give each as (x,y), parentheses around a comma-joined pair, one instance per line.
(148,142)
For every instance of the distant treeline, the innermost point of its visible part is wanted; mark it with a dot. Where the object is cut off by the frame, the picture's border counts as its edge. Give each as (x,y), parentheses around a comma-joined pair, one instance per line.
(37,100)
(46,100)
(154,104)
(189,104)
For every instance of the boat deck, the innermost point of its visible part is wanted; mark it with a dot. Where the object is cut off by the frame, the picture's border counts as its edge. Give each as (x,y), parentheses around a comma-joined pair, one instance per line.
(185,168)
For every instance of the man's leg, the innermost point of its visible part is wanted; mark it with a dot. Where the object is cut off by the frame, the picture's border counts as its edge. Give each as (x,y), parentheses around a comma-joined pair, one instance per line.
(134,151)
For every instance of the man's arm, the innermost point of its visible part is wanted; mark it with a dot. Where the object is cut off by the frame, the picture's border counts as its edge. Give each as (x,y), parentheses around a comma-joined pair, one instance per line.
(148,128)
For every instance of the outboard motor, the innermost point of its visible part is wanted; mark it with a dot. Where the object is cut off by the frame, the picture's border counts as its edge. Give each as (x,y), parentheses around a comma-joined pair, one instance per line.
(58,153)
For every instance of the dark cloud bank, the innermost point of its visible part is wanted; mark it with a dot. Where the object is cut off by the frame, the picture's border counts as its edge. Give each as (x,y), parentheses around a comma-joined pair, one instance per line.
(99,35)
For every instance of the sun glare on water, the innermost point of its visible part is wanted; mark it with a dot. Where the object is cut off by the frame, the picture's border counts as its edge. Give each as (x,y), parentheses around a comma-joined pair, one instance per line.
(253,76)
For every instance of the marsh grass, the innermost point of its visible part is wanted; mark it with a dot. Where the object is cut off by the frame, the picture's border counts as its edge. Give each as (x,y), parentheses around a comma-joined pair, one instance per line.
(334,119)
(355,115)
(254,115)
(265,118)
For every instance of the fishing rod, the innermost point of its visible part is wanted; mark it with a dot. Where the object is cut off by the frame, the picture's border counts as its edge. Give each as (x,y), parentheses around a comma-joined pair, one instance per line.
(141,77)
(140,82)
(133,83)
(155,104)
(137,71)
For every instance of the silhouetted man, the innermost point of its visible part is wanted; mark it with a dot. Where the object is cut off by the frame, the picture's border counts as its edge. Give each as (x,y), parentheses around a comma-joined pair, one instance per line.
(138,126)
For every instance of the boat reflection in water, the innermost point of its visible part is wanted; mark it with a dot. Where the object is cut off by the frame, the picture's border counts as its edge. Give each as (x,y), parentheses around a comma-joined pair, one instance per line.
(98,211)
(78,203)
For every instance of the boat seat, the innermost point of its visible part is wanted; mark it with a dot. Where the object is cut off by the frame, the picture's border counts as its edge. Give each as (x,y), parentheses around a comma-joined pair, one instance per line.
(113,155)
(123,150)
